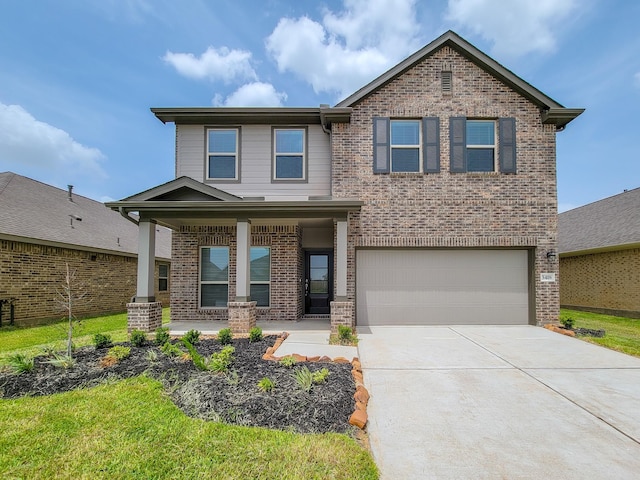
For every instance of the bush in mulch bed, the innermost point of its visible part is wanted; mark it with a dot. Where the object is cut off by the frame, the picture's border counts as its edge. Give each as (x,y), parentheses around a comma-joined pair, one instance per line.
(234,397)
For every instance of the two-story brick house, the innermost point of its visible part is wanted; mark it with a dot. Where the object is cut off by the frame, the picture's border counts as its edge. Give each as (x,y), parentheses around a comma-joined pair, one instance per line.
(426,197)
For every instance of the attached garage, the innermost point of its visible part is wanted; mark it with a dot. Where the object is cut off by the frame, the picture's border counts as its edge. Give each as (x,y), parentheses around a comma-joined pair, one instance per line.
(442,287)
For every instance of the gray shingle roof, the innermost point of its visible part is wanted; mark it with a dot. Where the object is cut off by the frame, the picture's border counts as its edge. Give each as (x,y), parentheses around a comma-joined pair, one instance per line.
(33,210)
(602,225)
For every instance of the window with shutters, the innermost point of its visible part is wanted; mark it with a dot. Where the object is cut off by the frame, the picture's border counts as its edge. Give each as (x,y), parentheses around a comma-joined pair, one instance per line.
(405,146)
(481,145)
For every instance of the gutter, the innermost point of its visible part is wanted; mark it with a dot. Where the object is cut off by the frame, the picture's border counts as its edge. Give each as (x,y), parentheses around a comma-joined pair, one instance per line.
(125,215)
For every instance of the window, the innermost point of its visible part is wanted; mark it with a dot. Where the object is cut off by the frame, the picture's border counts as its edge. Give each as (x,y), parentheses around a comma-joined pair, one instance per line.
(481,145)
(289,154)
(260,275)
(222,154)
(405,145)
(214,276)
(163,278)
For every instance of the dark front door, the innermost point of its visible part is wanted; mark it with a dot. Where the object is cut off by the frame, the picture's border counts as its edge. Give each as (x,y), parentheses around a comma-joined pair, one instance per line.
(318,285)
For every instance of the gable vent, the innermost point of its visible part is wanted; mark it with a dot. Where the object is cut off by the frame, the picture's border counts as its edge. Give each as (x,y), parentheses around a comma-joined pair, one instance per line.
(447,82)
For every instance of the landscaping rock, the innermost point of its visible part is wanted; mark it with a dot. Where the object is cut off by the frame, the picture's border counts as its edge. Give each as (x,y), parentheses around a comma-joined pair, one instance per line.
(358,419)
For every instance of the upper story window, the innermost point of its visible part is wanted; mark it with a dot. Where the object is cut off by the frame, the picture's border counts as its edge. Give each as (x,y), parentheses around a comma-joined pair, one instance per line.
(222,153)
(481,145)
(405,146)
(289,157)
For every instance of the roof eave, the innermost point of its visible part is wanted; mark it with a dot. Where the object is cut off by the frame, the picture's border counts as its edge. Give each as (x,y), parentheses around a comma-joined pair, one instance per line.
(560,117)
(591,251)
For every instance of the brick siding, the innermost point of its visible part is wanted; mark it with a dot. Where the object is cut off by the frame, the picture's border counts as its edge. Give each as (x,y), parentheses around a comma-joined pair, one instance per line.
(32,274)
(607,282)
(452,210)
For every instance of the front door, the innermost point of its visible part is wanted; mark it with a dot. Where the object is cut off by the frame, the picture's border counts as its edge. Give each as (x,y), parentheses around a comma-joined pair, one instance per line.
(318,285)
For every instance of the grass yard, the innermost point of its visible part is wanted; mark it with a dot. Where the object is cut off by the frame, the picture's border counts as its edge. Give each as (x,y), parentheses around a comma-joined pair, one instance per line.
(622,334)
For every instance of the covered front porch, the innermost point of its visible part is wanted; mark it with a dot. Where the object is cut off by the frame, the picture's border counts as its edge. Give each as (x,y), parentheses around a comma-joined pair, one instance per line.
(237,261)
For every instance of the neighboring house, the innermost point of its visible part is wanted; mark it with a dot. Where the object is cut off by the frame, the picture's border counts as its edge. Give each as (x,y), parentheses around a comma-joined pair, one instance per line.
(43,228)
(599,246)
(426,197)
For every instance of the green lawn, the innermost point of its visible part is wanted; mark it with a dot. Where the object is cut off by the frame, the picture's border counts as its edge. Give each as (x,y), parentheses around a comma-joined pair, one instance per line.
(622,334)
(131,429)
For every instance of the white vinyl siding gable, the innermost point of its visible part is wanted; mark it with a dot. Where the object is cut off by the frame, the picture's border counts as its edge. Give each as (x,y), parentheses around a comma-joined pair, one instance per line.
(255,162)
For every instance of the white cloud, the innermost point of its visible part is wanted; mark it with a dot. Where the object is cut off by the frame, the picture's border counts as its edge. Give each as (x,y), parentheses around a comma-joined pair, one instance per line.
(350,48)
(256,94)
(28,142)
(214,64)
(515,27)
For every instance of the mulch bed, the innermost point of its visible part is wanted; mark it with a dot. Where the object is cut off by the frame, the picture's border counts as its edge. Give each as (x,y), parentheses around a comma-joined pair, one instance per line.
(231,398)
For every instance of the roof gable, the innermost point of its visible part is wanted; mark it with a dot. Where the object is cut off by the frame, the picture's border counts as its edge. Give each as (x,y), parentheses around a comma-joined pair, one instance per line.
(183,189)
(555,113)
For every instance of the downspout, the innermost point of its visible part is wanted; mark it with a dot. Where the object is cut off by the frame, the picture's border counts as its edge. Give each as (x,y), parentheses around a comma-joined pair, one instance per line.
(124,214)
(328,132)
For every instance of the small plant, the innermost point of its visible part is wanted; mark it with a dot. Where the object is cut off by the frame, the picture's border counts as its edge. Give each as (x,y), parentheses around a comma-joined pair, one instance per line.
(119,352)
(162,335)
(198,360)
(101,340)
(233,378)
(255,334)
(62,361)
(225,336)
(266,384)
(48,350)
(288,362)
(304,378)
(320,376)
(152,355)
(221,360)
(138,338)
(345,336)
(567,323)
(20,363)
(192,336)
(171,350)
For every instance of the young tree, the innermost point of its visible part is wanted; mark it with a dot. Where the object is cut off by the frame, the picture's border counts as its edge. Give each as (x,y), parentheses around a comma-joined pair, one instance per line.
(71,292)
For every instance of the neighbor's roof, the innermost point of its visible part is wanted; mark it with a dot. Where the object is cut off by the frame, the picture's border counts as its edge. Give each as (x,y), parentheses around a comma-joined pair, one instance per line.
(609,224)
(553,112)
(34,212)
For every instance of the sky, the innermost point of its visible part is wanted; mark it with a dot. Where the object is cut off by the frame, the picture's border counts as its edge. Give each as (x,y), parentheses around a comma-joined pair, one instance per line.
(78,77)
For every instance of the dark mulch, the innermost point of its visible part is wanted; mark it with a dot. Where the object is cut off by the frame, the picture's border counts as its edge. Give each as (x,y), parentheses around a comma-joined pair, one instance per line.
(232,398)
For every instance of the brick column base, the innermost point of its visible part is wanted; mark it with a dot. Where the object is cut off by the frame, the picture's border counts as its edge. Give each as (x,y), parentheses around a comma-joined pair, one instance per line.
(341,314)
(144,316)
(242,316)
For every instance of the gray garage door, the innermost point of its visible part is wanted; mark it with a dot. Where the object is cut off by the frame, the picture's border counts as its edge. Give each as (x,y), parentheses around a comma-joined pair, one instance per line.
(442,287)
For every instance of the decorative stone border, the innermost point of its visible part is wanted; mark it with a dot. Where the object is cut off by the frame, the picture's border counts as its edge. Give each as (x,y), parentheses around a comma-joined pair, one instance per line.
(361,397)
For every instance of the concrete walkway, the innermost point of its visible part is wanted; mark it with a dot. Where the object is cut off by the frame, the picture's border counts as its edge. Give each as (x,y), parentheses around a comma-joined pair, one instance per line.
(473,402)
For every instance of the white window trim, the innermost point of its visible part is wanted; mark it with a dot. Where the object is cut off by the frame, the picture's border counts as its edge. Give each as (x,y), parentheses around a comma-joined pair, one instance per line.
(212,154)
(274,177)
(262,282)
(494,146)
(161,277)
(411,147)
(211,282)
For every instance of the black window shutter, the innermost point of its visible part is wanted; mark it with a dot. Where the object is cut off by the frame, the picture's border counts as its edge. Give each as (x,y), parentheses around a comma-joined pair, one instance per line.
(381,143)
(431,144)
(458,144)
(507,144)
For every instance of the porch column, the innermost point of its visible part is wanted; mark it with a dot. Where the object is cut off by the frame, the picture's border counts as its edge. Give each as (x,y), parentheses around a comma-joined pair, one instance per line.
(242,311)
(145,291)
(341,308)
(144,313)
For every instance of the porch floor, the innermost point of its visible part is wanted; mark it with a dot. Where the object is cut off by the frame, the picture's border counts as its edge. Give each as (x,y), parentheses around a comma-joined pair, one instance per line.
(308,337)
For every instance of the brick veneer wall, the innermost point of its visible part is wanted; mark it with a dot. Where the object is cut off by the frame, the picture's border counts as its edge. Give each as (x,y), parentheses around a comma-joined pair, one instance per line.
(286,270)
(452,210)
(607,282)
(32,274)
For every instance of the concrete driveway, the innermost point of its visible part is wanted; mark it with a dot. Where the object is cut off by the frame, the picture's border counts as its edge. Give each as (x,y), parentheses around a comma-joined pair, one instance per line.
(499,402)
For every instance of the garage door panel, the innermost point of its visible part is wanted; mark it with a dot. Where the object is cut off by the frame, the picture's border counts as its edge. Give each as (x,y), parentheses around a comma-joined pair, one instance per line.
(422,287)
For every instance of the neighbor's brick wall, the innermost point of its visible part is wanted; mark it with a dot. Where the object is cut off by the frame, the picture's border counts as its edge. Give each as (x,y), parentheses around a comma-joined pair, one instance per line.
(607,282)
(286,270)
(32,274)
(459,210)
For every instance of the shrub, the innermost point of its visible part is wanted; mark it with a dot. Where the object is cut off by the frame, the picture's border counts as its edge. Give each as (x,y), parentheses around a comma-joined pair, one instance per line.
(119,352)
(345,333)
(192,336)
(225,336)
(567,323)
(62,361)
(171,350)
(162,335)
(288,362)
(138,338)
(152,355)
(266,384)
(20,363)
(303,378)
(320,376)
(221,360)
(255,334)
(198,360)
(101,340)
